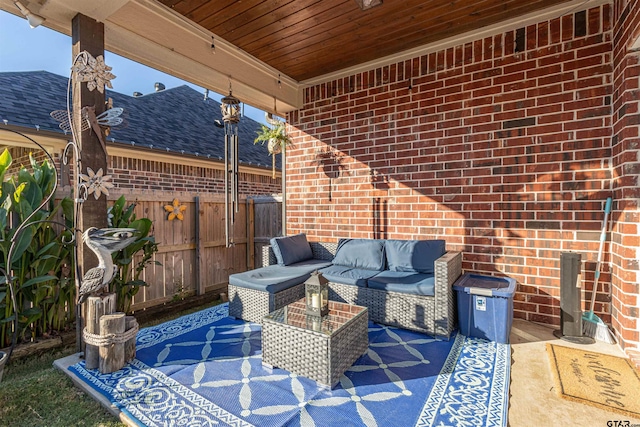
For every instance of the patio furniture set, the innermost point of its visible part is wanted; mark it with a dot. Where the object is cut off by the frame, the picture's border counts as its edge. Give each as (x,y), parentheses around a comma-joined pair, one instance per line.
(402,283)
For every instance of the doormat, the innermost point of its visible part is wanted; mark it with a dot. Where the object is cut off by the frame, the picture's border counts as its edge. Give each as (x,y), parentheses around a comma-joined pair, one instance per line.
(607,382)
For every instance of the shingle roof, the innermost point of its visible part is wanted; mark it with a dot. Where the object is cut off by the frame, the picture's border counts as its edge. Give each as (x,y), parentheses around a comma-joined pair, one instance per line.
(177,120)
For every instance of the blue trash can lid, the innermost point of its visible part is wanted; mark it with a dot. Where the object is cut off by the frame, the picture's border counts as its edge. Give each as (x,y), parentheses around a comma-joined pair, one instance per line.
(486,285)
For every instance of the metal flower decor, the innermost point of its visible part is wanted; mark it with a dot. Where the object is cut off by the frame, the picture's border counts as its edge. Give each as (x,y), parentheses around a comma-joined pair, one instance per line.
(175,210)
(96,182)
(94,71)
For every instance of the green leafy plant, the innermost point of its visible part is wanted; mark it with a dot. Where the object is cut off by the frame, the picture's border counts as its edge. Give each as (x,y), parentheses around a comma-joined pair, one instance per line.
(132,260)
(276,138)
(41,258)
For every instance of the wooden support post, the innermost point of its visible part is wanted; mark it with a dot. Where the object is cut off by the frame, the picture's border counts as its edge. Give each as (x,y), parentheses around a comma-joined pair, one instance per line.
(95,308)
(88,35)
(130,344)
(112,356)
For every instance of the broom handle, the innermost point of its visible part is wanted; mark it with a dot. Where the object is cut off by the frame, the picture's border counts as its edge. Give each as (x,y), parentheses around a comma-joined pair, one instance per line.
(603,236)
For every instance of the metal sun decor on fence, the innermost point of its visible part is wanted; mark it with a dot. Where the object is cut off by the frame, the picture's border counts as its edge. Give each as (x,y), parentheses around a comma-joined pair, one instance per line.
(175,210)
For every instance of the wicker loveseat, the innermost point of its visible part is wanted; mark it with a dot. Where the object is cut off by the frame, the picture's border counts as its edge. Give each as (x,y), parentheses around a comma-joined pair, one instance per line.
(403,283)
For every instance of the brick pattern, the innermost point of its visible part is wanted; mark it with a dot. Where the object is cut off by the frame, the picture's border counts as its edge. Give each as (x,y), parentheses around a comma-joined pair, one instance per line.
(501,146)
(139,174)
(625,246)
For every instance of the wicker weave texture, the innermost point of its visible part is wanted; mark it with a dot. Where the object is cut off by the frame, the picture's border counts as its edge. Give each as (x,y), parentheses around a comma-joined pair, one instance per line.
(435,315)
(252,305)
(323,358)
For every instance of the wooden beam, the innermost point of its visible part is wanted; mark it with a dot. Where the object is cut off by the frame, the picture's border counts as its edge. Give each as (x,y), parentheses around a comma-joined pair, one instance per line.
(88,35)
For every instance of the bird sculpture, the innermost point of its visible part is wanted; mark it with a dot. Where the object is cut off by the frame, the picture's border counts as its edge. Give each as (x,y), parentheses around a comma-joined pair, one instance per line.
(103,242)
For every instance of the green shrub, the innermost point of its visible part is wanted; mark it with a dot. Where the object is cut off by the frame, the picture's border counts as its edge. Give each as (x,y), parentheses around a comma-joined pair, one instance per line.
(41,259)
(132,260)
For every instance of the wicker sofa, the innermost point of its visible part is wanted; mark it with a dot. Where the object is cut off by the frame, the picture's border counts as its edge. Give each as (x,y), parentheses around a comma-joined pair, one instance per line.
(401,289)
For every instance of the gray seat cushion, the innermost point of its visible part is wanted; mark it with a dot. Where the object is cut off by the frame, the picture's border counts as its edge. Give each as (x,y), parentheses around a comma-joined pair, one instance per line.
(413,255)
(291,249)
(361,253)
(275,278)
(348,275)
(406,282)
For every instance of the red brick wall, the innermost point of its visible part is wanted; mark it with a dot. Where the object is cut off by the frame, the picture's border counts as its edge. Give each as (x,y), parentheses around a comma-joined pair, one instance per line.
(501,146)
(625,246)
(141,174)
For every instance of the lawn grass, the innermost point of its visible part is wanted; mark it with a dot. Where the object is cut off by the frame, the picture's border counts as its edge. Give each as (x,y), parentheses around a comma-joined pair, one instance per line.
(35,394)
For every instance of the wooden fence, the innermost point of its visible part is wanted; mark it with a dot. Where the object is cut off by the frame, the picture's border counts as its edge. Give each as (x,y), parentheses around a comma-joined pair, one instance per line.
(192,252)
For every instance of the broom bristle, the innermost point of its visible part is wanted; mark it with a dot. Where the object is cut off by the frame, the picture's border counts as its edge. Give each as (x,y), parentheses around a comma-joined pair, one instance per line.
(594,327)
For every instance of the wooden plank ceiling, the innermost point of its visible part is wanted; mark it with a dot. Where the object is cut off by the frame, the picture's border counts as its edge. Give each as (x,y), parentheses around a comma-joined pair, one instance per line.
(309,38)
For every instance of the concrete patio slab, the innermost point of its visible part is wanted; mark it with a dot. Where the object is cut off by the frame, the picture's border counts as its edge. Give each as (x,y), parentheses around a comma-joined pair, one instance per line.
(533,400)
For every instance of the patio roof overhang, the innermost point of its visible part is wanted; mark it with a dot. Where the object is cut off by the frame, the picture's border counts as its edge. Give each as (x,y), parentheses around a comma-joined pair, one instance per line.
(181,37)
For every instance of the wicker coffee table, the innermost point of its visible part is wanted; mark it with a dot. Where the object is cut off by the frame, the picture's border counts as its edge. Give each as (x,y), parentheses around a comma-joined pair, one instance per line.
(318,349)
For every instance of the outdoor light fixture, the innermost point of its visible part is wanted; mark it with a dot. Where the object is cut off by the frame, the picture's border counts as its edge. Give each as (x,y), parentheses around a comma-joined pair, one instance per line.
(230,109)
(368,4)
(316,290)
(33,19)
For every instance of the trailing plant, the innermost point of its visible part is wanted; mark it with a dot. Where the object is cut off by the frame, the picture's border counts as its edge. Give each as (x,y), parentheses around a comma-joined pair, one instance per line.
(132,260)
(41,260)
(276,138)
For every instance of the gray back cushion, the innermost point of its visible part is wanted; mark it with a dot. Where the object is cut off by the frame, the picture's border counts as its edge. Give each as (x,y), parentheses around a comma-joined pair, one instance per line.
(413,255)
(361,253)
(291,249)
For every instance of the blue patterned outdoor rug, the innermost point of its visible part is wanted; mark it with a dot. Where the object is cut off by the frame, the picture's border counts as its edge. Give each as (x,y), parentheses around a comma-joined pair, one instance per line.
(205,369)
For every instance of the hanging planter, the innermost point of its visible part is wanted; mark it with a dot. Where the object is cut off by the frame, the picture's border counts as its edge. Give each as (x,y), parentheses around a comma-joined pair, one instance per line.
(276,139)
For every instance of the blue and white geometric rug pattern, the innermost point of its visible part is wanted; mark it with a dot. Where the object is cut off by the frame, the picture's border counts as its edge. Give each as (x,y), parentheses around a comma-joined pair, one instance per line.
(205,369)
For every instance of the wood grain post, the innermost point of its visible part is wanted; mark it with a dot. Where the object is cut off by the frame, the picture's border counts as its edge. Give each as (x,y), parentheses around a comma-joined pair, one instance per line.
(251,231)
(95,308)
(87,34)
(130,344)
(200,261)
(112,355)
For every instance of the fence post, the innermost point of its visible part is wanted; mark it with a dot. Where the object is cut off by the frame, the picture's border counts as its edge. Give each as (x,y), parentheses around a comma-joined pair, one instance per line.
(251,231)
(200,286)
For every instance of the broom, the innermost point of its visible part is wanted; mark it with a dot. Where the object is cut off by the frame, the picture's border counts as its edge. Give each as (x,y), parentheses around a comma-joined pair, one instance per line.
(592,325)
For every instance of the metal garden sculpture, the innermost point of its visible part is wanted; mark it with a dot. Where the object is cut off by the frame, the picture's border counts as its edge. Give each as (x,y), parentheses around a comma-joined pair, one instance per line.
(103,242)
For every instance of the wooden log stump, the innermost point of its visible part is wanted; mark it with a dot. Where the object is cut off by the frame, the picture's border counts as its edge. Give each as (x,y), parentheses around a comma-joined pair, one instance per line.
(112,355)
(130,344)
(95,308)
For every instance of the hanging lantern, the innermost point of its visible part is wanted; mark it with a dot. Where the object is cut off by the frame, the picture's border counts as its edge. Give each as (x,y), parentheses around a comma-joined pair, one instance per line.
(316,290)
(230,108)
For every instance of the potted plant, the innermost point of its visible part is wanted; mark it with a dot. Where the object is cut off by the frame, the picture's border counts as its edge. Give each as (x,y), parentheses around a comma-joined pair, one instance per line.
(276,138)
